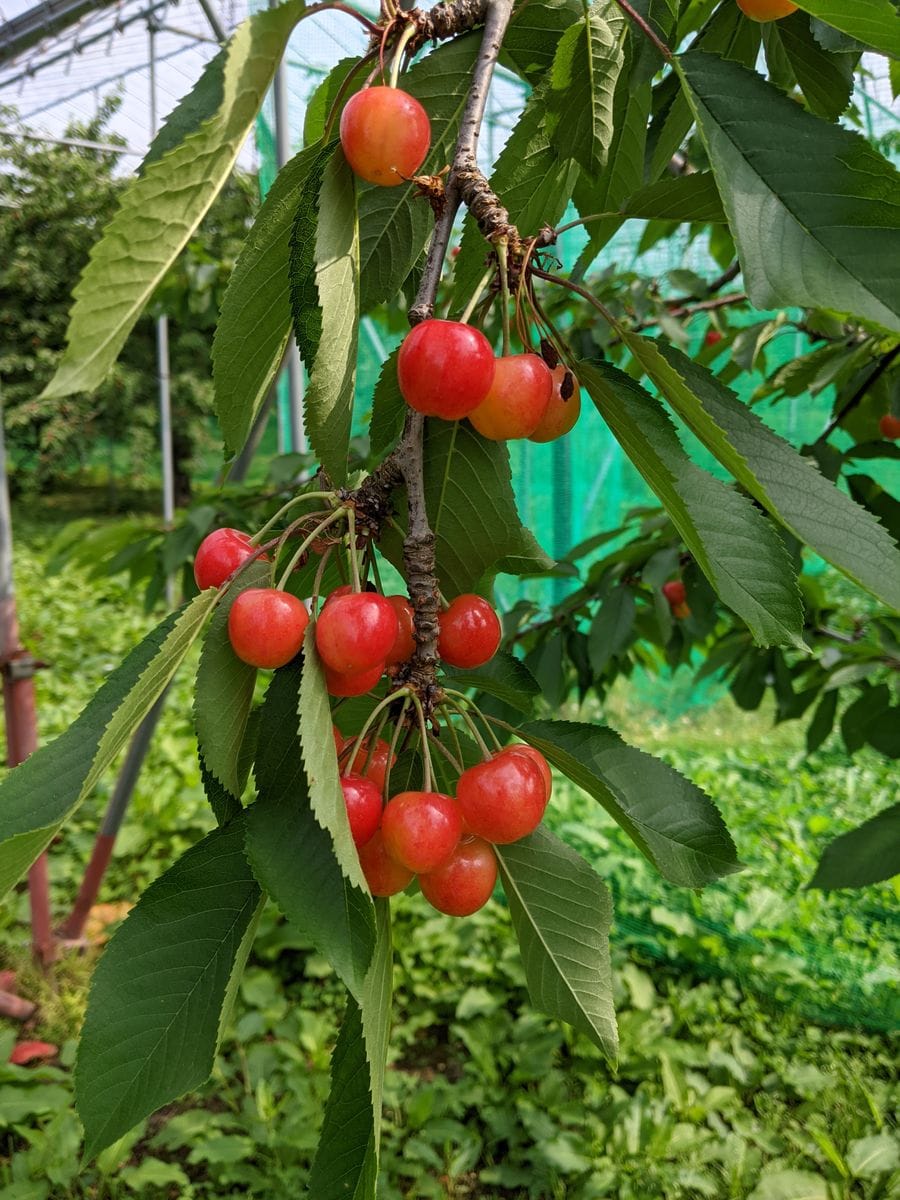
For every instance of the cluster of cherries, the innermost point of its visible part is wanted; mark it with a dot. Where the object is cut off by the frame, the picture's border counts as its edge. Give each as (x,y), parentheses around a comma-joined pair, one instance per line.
(447,843)
(359,635)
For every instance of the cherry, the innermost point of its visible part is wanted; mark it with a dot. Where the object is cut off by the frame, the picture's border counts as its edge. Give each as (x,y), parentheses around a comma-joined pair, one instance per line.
(377,766)
(468,632)
(384,875)
(766,10)
(421,829)
(405,642)
(517,398)
(363,800)
(385,135)
(503,799)
(445,368)
(266,627)
(353,684)
(674,591)
(355,632)
(465,881)
(536,757)
(889,426)
(219,555)
(713,337)
(563,410)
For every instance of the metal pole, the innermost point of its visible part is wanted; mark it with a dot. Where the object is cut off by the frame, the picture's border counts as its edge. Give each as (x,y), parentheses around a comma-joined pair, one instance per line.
(214,23)
(293,438)
(19,707)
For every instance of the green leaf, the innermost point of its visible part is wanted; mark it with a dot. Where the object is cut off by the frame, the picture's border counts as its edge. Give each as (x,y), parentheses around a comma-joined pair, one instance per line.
(822,722)
(255,320)
(346,1162)
(736,547)
(320,761)
(561,912)
(869,1157)
(530,42)
(582,85)
(868,854)
(873,22)
(505,677)
(306,309)
(786,483)
(224,691)
(162,206)
(680,198)
(611,627)
(224,805)
(329,398)
(38,796)
(326,95)
(292,854)
(153,1020)
(668,818)
(790,1185)
(816,229)
(826,80)
(389,409)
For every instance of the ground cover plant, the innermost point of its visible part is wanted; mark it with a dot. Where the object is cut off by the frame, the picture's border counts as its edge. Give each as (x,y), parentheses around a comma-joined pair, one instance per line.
(396,741)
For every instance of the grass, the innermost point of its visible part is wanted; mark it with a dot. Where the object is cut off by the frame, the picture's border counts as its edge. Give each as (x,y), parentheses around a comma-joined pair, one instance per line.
(754,1064)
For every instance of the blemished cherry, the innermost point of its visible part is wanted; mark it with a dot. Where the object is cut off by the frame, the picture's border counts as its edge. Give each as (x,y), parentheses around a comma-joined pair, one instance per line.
(421,829)
(266,626)
(384,875)
(377,765)
(219,554)
(468,632)
(766,10)
(889,426)
(355,632)
(562,411)
(405,642)
(504,799)
(355,684)
(516,400)
(445,368)
(465,881)
(536,757)
(363,800)
(385,135)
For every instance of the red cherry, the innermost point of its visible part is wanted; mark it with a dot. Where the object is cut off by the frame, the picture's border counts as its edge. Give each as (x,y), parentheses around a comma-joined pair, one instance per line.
(889,426)
(466,880)
(713,337)
(468,632)
(354,684)
(377,768)
(445,368)
(384,875)
(266,627)
(421,829)
(219,554)
(405,642)
(562,411)
(504,799)
(517,400)
(766,10)
(536,757)
(675,592)
(355,632)
(345,590)
(385,135)
(363,800)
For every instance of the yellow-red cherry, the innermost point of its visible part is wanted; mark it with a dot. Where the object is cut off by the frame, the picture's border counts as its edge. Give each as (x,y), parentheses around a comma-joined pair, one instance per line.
(766,10)
(468,632)
(516,400)
(376,768)
(356,632)
(219,555)
(465,881)
(363,801)
(563,409)
(384,875)
(385,135)
(421,829)
(536,757)
(266,626)
(675,592)
(503,799)
(356,683)
(445,368)
(889,426)
(405,642)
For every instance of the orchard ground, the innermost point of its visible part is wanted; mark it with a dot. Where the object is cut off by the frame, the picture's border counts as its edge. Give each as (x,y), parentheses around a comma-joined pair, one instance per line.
(757,1059)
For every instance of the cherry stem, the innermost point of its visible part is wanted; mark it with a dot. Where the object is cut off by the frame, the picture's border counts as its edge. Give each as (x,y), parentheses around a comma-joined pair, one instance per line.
(373,563)
(470,724)
(436,741)
(337,104)
(604,216)
(395,738)
(301,499)
(320,574)
(470,703)
(476,296)
(307,542)
(428,781)
(503,260)
(402,41)
(354,561)
(381,706)
(337,6)
(646,30)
